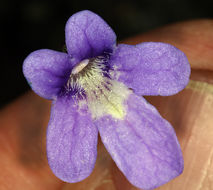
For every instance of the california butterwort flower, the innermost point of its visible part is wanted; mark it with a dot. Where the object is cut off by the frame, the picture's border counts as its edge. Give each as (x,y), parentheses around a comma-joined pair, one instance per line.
(97,87)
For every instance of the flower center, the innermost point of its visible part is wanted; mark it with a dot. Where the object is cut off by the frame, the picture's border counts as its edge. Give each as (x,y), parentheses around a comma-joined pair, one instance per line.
(80,66)
(91,80)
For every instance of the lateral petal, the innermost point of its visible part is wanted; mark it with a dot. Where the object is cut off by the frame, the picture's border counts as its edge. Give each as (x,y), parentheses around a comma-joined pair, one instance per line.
(46,71)
(151,68)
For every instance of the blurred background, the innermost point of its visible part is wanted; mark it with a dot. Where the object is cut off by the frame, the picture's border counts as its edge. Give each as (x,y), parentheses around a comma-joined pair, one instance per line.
(35,24)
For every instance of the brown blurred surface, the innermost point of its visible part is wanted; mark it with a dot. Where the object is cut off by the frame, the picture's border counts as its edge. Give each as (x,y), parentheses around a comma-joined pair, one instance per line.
(23,160)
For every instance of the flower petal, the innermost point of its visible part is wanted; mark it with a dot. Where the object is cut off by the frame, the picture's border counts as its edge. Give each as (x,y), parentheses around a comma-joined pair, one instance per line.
(71,141)
(152,68)
(143,145)
(88,35)
(46,71)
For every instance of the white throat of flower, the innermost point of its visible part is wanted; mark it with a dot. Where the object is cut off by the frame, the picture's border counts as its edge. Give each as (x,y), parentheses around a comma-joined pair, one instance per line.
(103,95)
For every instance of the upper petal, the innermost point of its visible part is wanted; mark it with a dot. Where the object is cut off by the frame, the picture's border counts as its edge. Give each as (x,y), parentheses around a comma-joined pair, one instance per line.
(46,71)
(71,141)
(143,145)
(152,68)
(88,35)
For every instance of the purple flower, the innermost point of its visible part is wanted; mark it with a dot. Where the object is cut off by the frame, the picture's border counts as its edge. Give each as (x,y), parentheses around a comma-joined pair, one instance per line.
(97,87)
